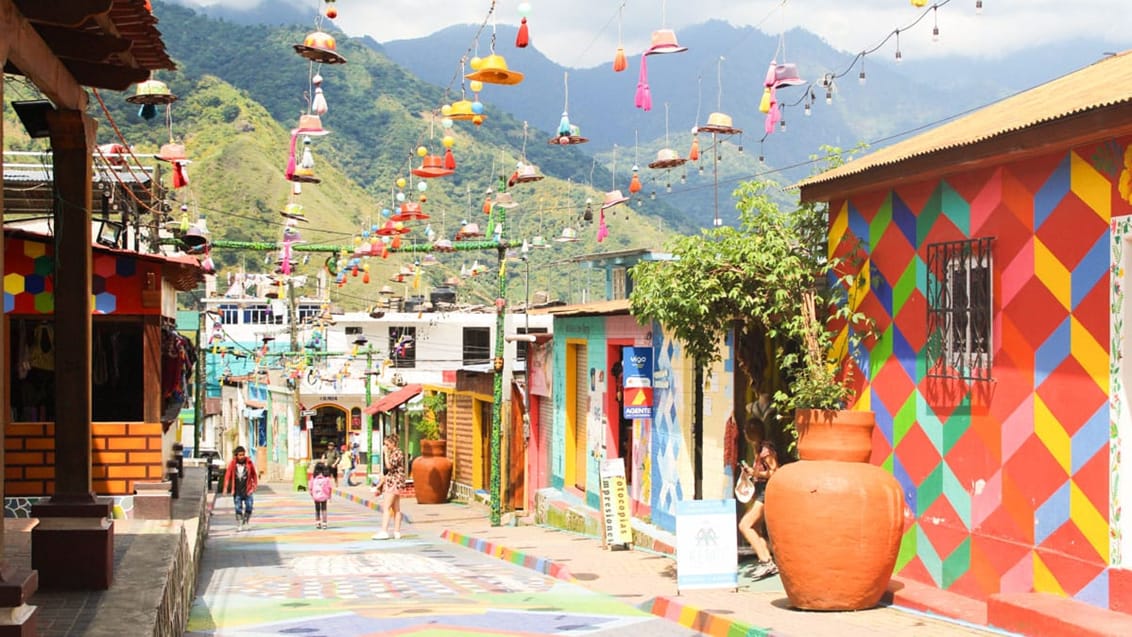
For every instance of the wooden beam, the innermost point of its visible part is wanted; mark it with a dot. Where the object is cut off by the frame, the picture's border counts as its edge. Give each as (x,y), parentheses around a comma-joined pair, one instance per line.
(108,76)
(31,55)
(82,45)
(64,13)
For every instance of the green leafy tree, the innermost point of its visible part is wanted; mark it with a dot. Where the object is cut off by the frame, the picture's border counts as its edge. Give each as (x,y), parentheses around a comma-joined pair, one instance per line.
(772,282)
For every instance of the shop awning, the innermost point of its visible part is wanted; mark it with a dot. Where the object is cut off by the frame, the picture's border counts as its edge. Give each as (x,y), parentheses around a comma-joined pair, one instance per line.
(393,400)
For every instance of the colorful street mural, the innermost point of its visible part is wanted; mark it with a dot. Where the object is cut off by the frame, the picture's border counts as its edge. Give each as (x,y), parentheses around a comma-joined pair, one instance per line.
(1012,481)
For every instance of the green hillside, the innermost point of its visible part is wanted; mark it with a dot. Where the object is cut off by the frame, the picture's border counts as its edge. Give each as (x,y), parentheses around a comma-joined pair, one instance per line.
(242,89)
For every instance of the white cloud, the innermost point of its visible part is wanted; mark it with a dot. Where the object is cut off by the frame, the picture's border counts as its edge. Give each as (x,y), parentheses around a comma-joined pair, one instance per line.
(582,33)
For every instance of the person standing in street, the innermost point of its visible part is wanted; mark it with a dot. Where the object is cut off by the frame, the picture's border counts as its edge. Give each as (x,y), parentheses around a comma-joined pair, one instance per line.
(320,492)
(389,488)
(241,481)
(332,458)
(751,526)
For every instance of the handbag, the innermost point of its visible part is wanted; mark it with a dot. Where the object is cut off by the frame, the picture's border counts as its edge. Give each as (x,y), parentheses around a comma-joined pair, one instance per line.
(745,485)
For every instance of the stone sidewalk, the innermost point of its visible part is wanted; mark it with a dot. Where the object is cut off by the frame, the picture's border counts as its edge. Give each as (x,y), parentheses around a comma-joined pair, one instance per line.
(648,579)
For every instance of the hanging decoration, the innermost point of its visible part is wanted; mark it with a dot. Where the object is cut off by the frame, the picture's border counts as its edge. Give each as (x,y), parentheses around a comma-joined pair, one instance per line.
(777,76)
(331,9)
(493,68)
(567,133)
(464,110)
(320,47)
(620,63)
(149,94)
(525,173)
(666,158)
(663,42)
(523,38)
(718,123)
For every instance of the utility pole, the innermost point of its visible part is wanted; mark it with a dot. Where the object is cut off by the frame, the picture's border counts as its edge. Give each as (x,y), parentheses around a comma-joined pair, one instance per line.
(367,419)
(198,402)
(292,318)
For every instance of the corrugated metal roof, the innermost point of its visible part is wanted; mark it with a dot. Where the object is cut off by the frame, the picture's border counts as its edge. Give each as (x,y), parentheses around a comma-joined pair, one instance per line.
(1104,83)
(619,306)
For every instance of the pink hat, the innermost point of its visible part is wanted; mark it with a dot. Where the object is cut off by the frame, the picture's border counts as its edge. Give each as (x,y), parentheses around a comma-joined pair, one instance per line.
(613,198)
(664,41)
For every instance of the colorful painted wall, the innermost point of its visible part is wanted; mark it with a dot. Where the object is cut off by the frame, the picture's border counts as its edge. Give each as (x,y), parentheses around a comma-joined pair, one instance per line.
(116,286)
(1012,481)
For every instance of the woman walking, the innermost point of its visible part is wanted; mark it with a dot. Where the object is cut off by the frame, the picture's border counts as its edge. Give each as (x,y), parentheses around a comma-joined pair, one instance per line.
(389,488)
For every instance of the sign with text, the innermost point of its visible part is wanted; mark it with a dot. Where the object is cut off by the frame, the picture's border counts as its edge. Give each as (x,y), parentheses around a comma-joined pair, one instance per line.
(615,503)
(636,381)
(705,544)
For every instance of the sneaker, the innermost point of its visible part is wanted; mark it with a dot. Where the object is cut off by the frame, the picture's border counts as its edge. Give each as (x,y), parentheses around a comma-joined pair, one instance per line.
(318,525)
(763,570)
(381,535)
(396,535)
(239,526)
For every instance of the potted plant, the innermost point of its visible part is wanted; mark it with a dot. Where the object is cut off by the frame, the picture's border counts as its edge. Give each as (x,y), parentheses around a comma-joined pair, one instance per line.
(432,471)
(791,301)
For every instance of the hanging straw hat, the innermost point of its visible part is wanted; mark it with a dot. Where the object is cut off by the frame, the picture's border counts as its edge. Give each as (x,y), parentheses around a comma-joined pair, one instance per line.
(310,125)
(152,92)
(667,158)
(613,198)
(527,173)
(504,200)
(787,75)
(719,123)
(493,70)
(319,46)
(569,235)
(172,152)
(664,41)
(294,211)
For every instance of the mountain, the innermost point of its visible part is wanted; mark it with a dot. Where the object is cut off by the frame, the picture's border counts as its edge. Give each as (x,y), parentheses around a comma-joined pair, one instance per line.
(241,89)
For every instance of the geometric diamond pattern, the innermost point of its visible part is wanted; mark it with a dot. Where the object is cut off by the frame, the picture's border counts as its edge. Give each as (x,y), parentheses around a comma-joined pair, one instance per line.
(1009,479)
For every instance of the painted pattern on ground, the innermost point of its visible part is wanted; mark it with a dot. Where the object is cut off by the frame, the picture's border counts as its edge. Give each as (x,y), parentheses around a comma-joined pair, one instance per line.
(284,576)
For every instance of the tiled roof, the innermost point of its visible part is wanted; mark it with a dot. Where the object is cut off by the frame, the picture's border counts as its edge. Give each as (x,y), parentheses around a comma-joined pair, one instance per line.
(1102,84)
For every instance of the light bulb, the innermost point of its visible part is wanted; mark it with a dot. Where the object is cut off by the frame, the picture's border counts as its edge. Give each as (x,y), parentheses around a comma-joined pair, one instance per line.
(829,95)
(782,124)
(806,110)
(935,34)
(652,195)
(739,149)
(898,55)
(683,179)
(978,7)
(667,187)
(861,77)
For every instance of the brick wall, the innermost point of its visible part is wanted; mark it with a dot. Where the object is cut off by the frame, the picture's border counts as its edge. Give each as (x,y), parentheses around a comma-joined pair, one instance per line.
(122,453)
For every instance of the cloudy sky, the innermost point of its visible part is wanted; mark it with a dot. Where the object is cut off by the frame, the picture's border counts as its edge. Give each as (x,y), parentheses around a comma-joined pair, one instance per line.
(583,33)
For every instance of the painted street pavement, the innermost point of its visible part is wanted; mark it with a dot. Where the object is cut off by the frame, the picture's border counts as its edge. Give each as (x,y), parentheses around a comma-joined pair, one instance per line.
(285,577)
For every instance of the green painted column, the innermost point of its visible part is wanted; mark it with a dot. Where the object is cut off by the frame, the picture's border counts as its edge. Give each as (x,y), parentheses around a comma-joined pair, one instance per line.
(367,419)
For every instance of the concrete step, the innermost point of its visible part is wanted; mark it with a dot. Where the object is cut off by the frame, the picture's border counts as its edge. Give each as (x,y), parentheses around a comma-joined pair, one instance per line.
(1049,615)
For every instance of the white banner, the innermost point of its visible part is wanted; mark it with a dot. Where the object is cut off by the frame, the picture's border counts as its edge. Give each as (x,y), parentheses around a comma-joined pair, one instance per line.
(706,555)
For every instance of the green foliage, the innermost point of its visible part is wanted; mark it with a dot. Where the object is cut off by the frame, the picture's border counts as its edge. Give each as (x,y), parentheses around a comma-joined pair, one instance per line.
(770,279)
(434,404)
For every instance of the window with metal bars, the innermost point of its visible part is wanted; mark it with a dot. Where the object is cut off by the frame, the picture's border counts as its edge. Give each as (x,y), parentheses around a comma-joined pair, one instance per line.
(960,310)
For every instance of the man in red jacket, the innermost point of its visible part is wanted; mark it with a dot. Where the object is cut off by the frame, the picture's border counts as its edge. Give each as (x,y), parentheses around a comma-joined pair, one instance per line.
(241,480)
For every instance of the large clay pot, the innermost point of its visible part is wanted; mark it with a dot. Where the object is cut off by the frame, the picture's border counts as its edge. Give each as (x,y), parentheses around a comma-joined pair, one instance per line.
(834,520)
(833,434)
(835,528)
(432,473)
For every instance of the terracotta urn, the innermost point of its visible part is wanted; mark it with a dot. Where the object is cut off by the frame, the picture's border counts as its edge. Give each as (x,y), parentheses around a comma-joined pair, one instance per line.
(834,524)
(432,473)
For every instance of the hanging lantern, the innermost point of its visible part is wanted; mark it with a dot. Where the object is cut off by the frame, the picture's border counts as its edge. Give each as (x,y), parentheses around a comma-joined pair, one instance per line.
(694,153)
(635,182)
(620,62)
